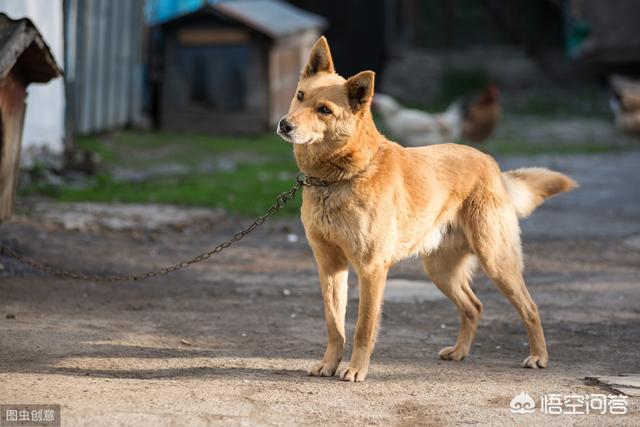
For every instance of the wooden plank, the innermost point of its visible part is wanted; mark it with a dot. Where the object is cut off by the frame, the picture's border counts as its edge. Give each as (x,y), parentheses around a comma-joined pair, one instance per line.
(12,109)
(208,36)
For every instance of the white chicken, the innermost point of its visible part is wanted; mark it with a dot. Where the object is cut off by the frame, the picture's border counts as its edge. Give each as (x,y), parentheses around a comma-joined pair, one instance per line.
(416,128)
(473,117)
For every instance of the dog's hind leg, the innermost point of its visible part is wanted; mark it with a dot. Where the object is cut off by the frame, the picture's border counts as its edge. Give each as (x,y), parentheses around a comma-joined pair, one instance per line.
(451,268)
(334,270)
(494,235)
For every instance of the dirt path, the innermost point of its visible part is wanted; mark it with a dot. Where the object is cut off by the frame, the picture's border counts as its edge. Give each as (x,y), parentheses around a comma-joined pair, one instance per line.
(229,341)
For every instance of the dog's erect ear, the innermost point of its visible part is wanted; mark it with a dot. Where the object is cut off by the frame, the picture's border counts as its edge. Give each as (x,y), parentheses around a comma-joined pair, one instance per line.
(320,60)
(360,90)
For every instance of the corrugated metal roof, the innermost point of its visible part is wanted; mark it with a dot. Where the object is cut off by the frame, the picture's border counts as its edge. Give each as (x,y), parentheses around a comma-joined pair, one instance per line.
(270,17)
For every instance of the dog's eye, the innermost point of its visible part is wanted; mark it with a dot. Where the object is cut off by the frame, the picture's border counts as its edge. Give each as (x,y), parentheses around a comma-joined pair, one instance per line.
(323,109)
(300,95)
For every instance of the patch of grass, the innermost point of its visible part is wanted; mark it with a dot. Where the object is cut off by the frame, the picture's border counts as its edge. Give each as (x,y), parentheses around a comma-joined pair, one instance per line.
(249,190)
(261,168)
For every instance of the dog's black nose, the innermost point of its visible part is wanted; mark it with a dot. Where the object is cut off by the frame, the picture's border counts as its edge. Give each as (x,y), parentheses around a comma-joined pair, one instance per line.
(286,126)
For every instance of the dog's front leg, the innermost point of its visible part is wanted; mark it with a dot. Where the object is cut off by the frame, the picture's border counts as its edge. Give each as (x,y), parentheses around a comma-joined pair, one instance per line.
(372,281)
(333,268)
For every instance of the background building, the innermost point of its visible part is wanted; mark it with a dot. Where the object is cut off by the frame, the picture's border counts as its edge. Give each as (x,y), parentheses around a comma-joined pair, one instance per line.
(229,67)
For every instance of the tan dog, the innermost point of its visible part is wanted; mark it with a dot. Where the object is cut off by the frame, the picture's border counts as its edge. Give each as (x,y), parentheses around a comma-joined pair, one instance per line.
(447,203)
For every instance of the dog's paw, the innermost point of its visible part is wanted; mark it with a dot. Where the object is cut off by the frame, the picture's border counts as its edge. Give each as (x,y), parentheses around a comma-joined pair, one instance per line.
(452,353)
(535,362)
(323,369)
(353,374)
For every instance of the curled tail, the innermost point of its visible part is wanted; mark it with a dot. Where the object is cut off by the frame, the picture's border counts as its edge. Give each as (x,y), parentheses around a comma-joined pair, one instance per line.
(529,187)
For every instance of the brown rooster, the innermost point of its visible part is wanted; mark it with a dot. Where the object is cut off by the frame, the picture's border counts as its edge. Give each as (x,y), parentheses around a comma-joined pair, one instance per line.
(482,114)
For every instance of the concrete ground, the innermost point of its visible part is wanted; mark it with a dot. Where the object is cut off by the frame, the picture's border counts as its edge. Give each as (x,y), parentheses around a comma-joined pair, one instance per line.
(228,342)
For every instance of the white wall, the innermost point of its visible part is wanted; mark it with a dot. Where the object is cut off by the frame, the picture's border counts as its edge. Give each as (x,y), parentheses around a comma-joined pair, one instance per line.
(44,123)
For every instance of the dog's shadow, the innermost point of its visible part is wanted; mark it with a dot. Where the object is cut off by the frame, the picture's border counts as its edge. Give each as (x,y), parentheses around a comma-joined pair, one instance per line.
(166,363)
(91,360)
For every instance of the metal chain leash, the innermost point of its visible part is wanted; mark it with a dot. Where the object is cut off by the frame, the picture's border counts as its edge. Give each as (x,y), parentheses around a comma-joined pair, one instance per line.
(281,202)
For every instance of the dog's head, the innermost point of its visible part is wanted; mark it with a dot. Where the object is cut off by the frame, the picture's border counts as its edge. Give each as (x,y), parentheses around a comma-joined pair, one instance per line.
(326,108)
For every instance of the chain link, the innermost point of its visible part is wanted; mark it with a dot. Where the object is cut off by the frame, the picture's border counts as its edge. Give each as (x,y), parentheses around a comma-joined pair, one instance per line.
(281,201)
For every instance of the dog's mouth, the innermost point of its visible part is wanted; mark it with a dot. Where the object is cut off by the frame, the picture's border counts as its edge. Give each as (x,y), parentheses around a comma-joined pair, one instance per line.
(284,136)
(291,139)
